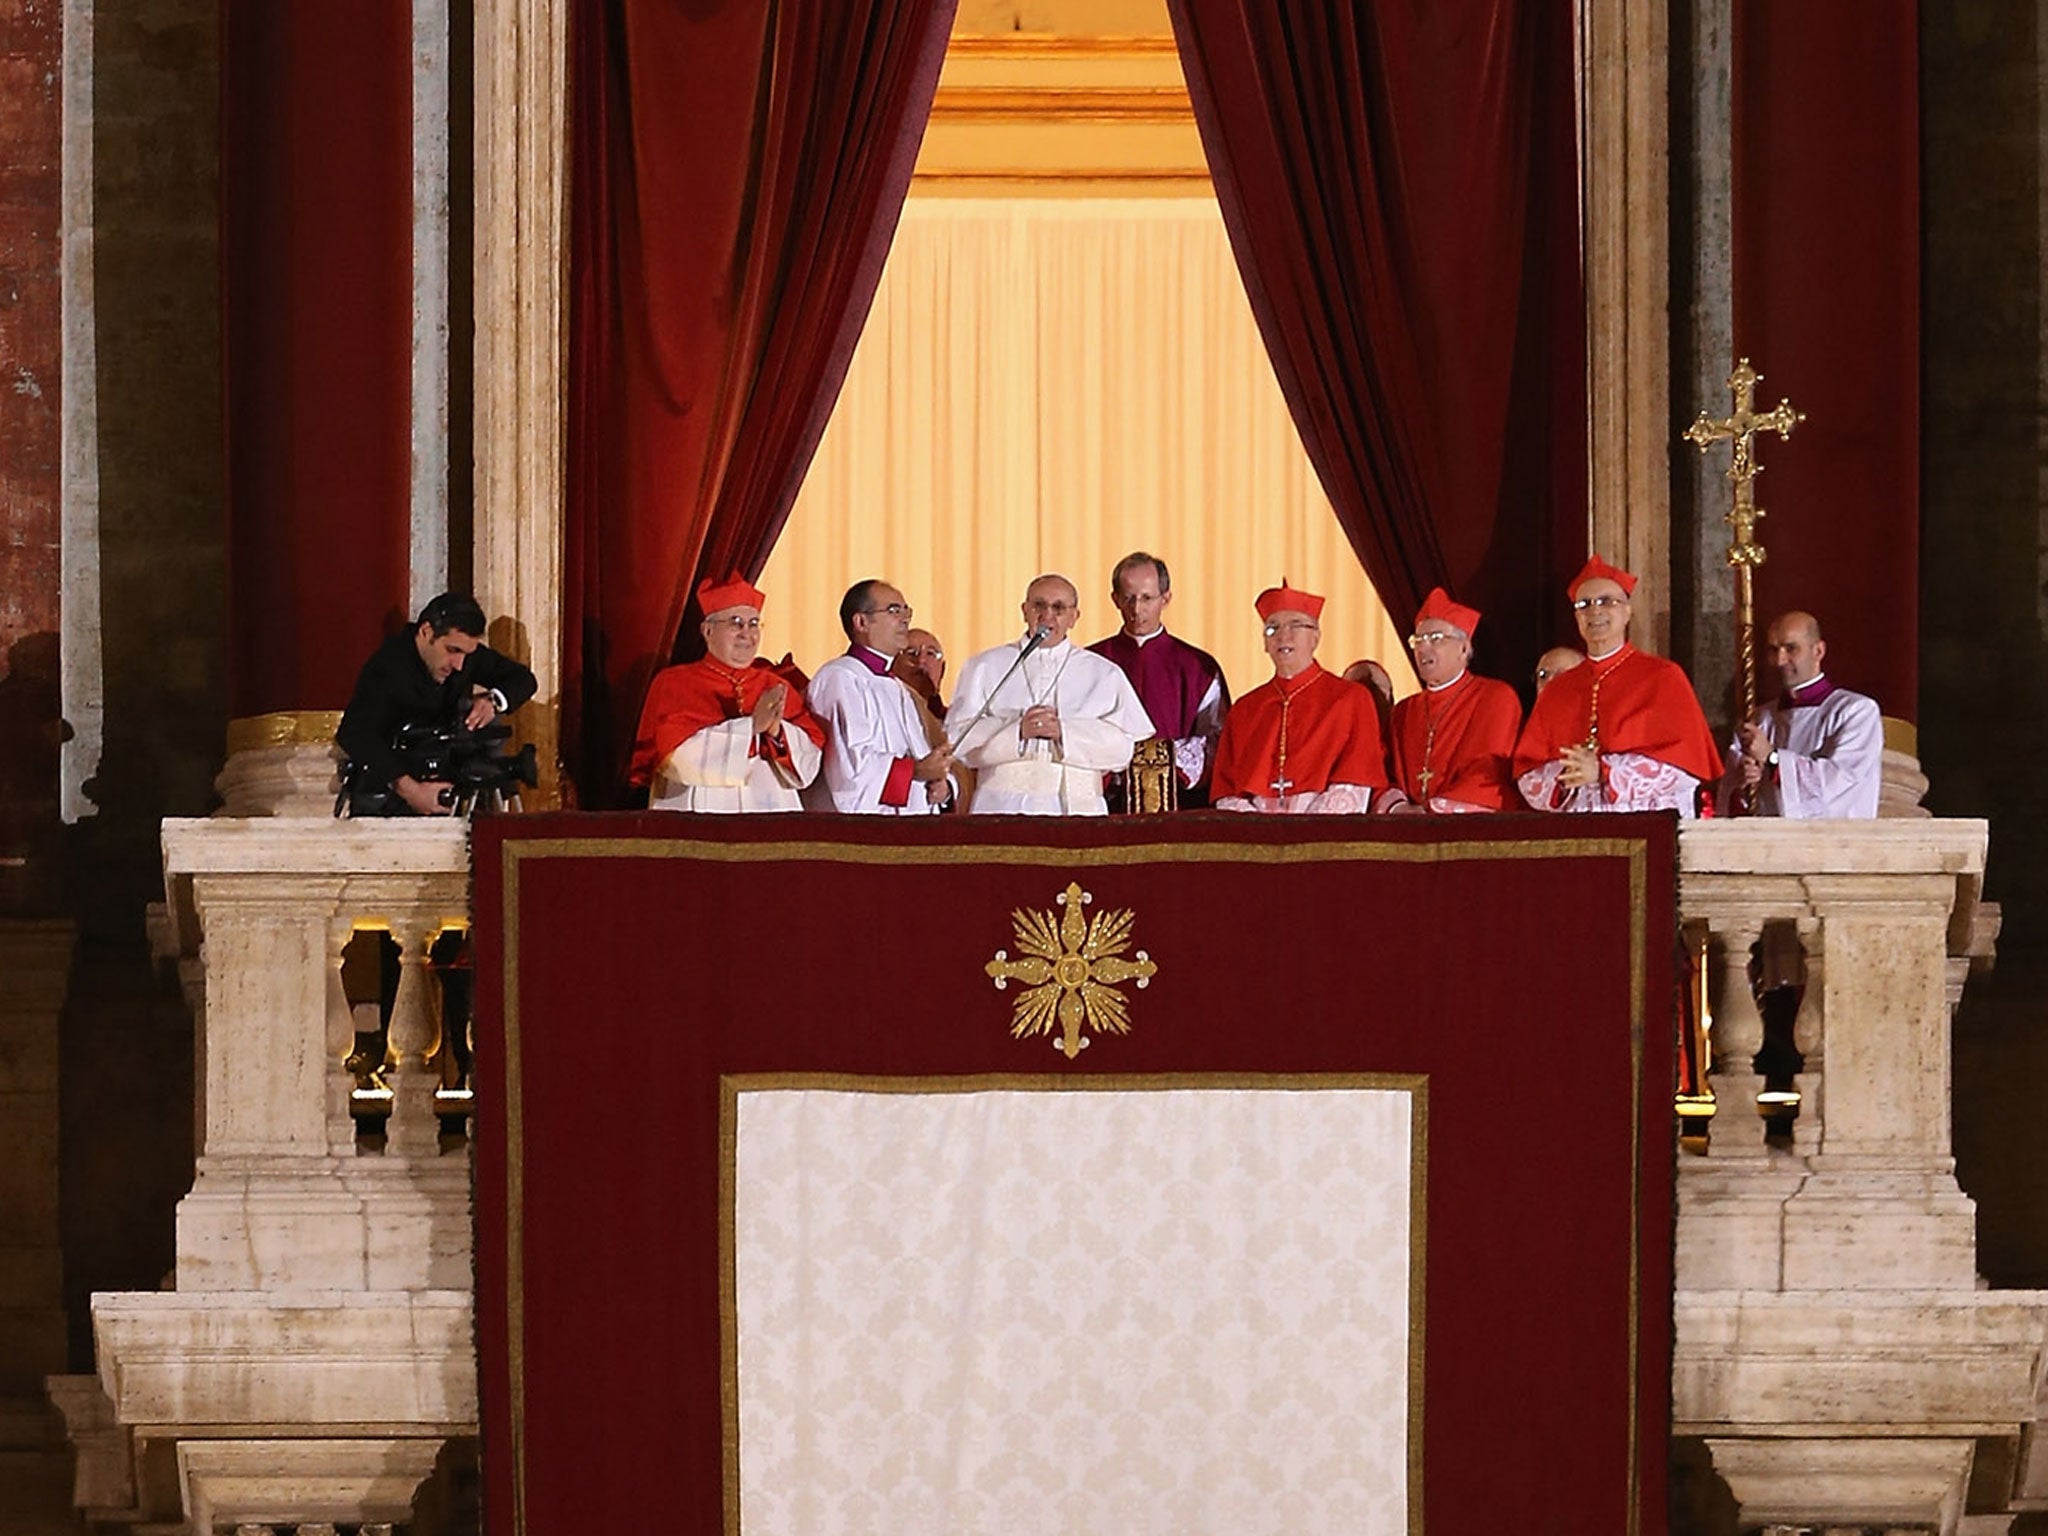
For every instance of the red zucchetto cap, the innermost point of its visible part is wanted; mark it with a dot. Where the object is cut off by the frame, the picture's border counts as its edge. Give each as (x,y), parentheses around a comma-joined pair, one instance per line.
(1438,605)
(1598,567)
(733,592)
(1285,599)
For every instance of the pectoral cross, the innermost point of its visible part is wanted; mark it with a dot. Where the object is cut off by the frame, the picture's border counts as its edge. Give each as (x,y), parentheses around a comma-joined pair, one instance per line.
(1281,785)
(1744,553)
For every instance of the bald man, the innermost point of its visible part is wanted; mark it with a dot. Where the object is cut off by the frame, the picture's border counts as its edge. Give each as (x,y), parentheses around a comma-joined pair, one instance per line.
(1819,751)
(1559,658)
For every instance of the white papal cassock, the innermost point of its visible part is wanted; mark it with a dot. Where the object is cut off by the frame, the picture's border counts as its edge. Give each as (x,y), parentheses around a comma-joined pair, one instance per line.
(1830,745)
(1100,721)
(874,734)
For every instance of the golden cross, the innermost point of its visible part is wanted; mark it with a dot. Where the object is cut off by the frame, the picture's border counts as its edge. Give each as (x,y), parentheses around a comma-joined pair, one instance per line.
(1743,468)
(1744,553)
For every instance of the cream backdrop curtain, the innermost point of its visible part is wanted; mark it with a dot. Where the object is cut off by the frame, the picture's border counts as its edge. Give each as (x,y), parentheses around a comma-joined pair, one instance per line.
(1046,385)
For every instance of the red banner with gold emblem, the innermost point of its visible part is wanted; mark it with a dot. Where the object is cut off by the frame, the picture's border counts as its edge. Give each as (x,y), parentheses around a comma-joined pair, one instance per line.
(725,1065)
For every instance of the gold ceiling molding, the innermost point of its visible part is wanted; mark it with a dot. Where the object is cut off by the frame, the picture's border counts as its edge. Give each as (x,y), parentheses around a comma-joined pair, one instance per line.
(1064,104)
(1093,180)
(1043,114)
(1015,45)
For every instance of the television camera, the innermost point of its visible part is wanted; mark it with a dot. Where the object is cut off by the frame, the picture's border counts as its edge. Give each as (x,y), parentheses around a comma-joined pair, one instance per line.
(472,767)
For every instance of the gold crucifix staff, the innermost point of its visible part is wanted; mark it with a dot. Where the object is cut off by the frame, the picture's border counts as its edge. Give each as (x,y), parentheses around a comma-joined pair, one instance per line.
(1744,553)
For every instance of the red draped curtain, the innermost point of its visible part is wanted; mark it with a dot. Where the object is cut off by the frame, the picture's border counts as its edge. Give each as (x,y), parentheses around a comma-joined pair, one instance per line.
(1400,183)
(738,167)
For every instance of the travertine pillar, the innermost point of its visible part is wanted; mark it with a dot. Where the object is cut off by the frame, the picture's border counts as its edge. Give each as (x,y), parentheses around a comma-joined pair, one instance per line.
(522,345)
(1625,68)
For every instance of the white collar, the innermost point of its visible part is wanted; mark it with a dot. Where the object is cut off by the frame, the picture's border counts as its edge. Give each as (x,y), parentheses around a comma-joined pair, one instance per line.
(1148,639)
(1615,652)
(1440,687)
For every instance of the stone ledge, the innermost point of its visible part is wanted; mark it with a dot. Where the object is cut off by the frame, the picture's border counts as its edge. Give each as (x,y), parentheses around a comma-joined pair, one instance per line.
(1746,847)
(1857,1362)
(386,1362)
(280,846)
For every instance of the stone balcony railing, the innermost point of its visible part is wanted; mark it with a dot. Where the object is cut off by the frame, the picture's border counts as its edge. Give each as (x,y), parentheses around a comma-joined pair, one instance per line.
(1834,1350)
(315,1354)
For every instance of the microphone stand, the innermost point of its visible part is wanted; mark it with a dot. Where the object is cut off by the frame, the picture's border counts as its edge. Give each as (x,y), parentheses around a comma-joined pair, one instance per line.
(1038,637)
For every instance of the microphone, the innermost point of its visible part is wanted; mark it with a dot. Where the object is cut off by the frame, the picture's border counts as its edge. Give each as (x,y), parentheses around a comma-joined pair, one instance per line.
(1036,638)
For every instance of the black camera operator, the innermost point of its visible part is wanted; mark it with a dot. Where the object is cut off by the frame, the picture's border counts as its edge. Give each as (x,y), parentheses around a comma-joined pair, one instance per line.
(437,678)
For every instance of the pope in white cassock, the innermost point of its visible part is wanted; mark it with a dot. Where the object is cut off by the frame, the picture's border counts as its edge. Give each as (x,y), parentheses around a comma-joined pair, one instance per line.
(1053,726)
(879,760)
(1819,753)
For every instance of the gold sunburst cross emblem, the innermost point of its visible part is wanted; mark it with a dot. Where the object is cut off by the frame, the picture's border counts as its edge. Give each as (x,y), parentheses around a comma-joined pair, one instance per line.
(1071,967)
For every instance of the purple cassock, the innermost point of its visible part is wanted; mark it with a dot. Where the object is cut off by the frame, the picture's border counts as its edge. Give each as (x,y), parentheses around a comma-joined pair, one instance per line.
(1182,689)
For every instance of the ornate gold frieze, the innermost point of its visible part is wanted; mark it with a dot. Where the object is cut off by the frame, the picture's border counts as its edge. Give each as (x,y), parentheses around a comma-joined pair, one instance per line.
(1034,113)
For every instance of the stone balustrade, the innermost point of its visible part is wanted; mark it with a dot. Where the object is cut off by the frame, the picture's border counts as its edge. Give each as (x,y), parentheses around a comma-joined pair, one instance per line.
(1834,1348)
(315,1354)
(1835,1352)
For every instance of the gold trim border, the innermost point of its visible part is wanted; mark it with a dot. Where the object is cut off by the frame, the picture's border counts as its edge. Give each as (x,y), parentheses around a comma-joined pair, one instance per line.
(732,1085)
(514,852)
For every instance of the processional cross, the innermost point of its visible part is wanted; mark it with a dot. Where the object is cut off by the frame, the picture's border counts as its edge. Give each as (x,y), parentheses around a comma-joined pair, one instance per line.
(1745,554)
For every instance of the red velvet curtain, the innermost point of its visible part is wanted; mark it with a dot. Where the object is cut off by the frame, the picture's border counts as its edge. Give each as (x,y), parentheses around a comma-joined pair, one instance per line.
(1844,497)
(738,169)
(1400,183)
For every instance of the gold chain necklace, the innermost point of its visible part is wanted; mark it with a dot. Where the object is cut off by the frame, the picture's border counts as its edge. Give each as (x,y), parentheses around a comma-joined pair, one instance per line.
(1593,712)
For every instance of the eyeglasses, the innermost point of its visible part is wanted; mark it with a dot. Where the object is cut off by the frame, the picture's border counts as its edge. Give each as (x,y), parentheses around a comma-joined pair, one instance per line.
(1441,637)
(924,653)
(1603,601)
(894,610)
(1039,605)
(747,626)
(1289,626)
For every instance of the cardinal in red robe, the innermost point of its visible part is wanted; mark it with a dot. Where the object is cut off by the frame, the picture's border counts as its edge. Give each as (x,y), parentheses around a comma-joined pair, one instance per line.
(1454,742)
(1307,741)
(1623,732)
(730,732)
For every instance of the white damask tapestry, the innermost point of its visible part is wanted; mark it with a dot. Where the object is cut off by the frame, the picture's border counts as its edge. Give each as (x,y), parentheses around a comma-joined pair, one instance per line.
(1129,1309)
